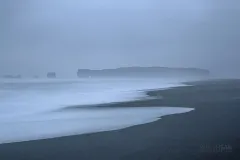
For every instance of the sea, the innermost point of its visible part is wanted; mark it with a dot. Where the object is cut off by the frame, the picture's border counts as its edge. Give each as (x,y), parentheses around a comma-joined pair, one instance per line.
(34,109)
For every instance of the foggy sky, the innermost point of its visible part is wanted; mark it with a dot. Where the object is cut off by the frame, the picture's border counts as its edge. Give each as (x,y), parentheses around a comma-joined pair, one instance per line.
(38,36)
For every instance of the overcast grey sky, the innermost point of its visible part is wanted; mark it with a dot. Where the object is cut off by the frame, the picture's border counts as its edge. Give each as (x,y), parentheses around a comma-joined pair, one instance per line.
(38,36)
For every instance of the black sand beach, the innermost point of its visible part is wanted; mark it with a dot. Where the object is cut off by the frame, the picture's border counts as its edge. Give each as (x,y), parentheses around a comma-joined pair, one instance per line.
(211,131)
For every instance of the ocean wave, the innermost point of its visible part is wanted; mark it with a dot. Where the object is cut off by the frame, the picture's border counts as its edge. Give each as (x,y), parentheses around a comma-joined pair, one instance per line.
(26,98)
(30,108)
(53,125)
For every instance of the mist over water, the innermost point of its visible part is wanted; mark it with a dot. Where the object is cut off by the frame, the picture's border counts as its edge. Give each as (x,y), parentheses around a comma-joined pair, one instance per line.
(32,109)
(39,36)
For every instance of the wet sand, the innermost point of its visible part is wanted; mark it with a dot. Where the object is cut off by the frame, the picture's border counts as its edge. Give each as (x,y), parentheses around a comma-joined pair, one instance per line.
(211,131)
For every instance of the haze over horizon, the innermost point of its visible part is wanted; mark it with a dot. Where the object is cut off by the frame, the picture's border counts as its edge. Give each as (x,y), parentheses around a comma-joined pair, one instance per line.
(38,36)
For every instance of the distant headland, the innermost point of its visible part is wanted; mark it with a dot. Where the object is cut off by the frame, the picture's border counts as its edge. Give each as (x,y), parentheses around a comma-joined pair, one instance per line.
(142,72)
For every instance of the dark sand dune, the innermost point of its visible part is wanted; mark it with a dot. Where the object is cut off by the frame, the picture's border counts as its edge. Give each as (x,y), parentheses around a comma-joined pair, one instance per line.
(211,131)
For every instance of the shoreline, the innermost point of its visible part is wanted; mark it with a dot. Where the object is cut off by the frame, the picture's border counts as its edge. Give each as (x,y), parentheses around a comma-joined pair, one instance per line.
(210,131)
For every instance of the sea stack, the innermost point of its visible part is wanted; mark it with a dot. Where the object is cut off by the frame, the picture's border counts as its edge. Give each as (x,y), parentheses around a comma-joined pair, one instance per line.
(51,75)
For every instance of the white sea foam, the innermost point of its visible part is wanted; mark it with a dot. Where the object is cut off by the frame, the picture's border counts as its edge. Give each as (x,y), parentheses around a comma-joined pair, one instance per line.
(26,106)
